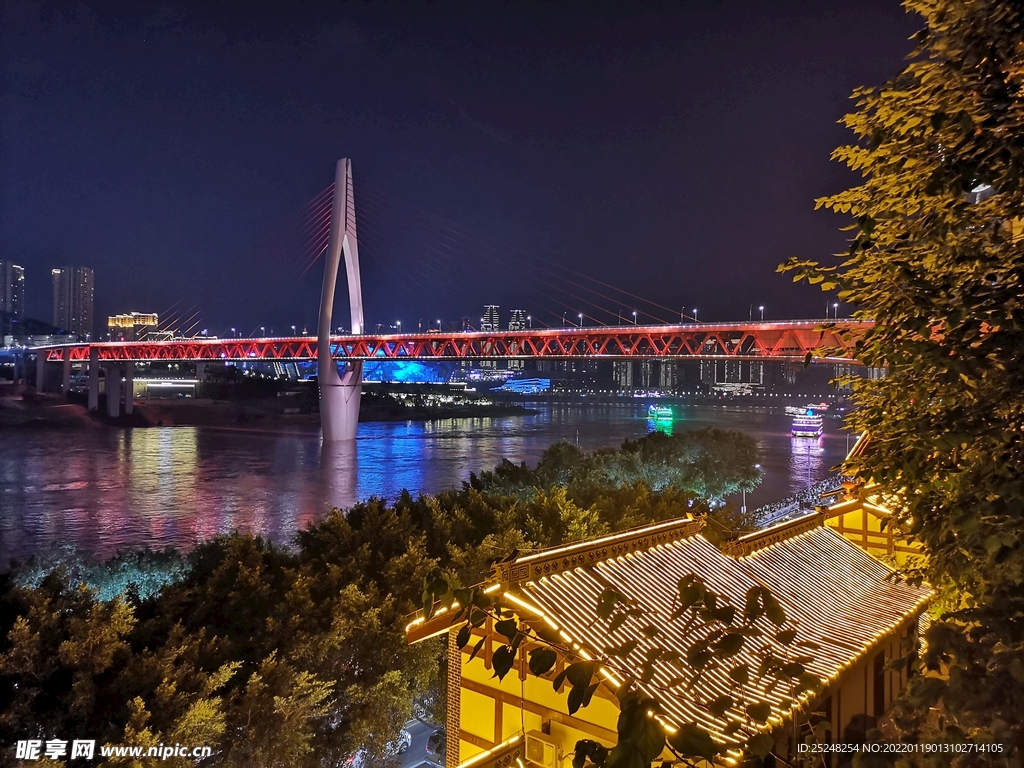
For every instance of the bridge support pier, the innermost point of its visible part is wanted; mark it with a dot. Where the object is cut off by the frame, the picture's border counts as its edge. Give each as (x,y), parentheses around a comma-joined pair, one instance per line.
(94,379)
(129,388)
(112,386)
(65,373)
(339,395)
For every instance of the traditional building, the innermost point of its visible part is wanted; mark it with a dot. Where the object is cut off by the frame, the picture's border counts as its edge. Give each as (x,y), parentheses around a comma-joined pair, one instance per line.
(862,516)
(839,597)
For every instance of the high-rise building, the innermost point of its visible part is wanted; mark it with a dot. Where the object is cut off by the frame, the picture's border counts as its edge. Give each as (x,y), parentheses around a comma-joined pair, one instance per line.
(12,289)
(517,320)
(73,294)
(490,322)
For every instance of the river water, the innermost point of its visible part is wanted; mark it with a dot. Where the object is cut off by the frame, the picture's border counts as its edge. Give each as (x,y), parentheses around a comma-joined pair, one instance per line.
(104,490)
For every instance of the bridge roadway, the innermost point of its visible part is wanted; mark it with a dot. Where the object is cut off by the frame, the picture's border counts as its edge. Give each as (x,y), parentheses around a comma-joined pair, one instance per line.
(782,340)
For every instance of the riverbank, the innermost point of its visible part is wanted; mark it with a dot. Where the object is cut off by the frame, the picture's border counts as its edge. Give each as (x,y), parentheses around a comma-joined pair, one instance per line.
(51,412)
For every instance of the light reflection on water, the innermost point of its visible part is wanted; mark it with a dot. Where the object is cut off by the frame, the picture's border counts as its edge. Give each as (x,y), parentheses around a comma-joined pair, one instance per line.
(103,490)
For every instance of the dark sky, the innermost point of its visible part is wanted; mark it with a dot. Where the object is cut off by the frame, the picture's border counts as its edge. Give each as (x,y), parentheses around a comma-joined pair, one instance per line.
(672,150)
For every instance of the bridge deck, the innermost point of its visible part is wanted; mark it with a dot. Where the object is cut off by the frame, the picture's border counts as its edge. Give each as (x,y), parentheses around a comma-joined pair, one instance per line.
(791,340)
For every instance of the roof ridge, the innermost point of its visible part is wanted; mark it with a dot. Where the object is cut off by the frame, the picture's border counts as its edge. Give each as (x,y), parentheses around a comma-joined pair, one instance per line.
(549,560)
(752,542)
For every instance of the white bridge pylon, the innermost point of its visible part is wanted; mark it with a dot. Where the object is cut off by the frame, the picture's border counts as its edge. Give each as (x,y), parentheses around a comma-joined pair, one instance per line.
(339,395)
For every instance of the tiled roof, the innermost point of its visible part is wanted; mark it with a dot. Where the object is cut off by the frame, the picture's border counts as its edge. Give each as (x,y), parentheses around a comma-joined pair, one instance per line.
(838,595)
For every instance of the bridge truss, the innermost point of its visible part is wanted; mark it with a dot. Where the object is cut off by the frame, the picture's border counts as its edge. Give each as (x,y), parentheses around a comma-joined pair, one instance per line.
(791,340)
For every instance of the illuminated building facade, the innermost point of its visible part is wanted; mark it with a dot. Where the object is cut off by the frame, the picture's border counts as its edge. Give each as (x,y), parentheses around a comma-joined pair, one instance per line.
(12,289)
(517,320)
(491,321)
(861,621)
(134,326)
(73,296)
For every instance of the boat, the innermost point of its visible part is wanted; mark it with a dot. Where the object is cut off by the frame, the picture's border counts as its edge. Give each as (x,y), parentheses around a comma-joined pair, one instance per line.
(807,425)
(659,412)
(809,410)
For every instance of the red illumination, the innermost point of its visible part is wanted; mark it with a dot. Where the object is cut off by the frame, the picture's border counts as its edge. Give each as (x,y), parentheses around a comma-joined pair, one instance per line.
(736,341)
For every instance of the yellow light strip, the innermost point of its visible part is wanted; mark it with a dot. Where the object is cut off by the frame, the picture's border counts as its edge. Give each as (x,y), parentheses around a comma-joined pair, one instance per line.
(421,620)
(476,759)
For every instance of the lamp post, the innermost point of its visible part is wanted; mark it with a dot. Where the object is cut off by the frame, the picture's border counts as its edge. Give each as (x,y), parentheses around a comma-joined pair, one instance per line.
(293,330)
(634,317)
(529,321)
(581,319)
(263,331)
(399,324)
(761,310)
(233,334)
(563,319)
(695,315)
(835,310)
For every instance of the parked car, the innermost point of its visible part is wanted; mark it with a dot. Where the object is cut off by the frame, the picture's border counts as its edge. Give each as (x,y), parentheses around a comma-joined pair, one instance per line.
(435,746)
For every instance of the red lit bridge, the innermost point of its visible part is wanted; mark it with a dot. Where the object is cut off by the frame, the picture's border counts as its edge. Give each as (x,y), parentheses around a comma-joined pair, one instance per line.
(787,340)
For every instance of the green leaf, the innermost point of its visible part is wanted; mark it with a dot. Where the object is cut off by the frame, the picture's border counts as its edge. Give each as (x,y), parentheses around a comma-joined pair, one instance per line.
(587,749)
(759,746)
(556,683)
(622,651)
(725,614)
(462,639)
(693,741)
(719,705)
(754,607)
(1017,670)
(617,621)
(773,609)
(542,660)
(786,636)
(477,647)
(729,645)
(608,601)
(508,627)
(759,711)
(503,660)
(740,674)
(580,673)
(792,670)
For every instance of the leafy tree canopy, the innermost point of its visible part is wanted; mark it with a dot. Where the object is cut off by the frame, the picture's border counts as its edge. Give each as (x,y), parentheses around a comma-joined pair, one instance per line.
(936,260)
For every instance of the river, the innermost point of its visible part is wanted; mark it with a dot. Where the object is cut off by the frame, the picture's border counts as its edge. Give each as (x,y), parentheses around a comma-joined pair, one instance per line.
(108,489)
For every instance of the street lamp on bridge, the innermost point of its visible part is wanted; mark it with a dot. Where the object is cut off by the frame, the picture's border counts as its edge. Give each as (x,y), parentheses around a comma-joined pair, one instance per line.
(634,317)
(695,315)
(293,330)
(761,310)
(529,321)
(581,319)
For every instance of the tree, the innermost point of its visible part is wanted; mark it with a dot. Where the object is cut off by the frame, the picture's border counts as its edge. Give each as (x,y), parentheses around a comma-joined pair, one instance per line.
(936,260)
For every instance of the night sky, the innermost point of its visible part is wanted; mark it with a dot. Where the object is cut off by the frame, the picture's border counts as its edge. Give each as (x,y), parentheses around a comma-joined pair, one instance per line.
(672,150)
